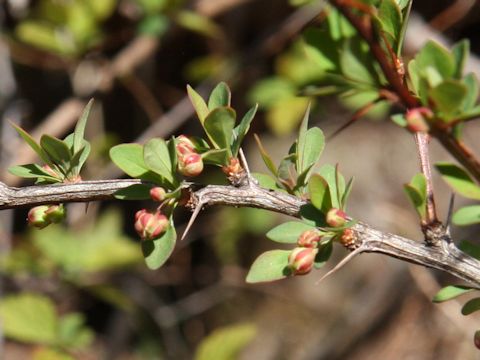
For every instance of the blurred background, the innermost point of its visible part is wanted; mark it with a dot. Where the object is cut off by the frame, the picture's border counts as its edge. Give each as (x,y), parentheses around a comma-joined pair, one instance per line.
(82,290)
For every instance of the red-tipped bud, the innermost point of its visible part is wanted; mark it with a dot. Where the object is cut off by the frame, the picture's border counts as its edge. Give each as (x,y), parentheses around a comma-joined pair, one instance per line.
(309,239)
(190,165)
(336,217)
(301,260)
(157,193)
(348,239)
(150,226)
(55,213)
(417,119)
(185,145)
(37,217)
(233,168)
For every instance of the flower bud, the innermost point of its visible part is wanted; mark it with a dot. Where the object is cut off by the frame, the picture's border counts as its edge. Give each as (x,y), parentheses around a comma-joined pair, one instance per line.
(233,168)
(190,165)
(55,213)
(37,217)
(336,217)
(157,193)
(184,145)
(150,226)
(417,119)
(309,239)
(301,260)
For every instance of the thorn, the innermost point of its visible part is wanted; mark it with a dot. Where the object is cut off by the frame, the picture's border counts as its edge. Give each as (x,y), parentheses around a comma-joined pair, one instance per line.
(87,204)
(450,211)
(340,264)
(243,159)
(192,219)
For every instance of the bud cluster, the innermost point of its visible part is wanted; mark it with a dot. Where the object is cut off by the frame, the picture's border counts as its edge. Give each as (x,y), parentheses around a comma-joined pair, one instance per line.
(190,162)
(302,258)
(44,215)
(150,225)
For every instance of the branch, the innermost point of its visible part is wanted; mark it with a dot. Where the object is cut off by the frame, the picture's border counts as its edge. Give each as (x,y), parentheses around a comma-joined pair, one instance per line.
(446,257)
(363,24)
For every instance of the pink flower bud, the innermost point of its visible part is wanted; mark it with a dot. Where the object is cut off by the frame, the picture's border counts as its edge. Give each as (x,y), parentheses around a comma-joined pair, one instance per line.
(55,213)
(37,217)
(157,193)
(233,168)
(185,145)
(150,226)
(301,260)
(309,239)
(417,119)
(190,165)
(336,217)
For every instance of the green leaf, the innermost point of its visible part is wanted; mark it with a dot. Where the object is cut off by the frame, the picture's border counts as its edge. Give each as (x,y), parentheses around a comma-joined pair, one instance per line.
(467,215)
(226,343)
(449,96)
(324,252)
(29,318)
(399,119)
(346,194)
(390,17)
(56,149)
(220,97)
(72,331)
(288,232)
(416,191)
(129,158)
(32,171)
(157,158)
(79,133)
(471,306)
(134,192)
(79,159)
(271,265)
(266,181)
(470,248)
(357,64)
(322,49)
(310,146)
(471,83)
(329,173)
(405,6)
(157,251)
(198,103)
(33,144)
(241,130)
(266,157)
(460,53)
(215,157)
(219,126)
(451,292)
(435,56)
(319,192)
(198,23)
(459,180)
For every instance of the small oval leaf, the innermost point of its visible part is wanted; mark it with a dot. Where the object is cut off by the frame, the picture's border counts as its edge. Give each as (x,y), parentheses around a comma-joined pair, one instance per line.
(271,265)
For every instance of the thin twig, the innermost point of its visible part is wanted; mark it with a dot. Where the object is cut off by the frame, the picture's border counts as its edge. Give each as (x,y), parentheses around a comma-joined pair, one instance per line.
(446,258)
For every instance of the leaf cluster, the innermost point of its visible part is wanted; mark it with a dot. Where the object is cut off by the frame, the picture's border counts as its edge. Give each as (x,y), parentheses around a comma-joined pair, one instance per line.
(63,159)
